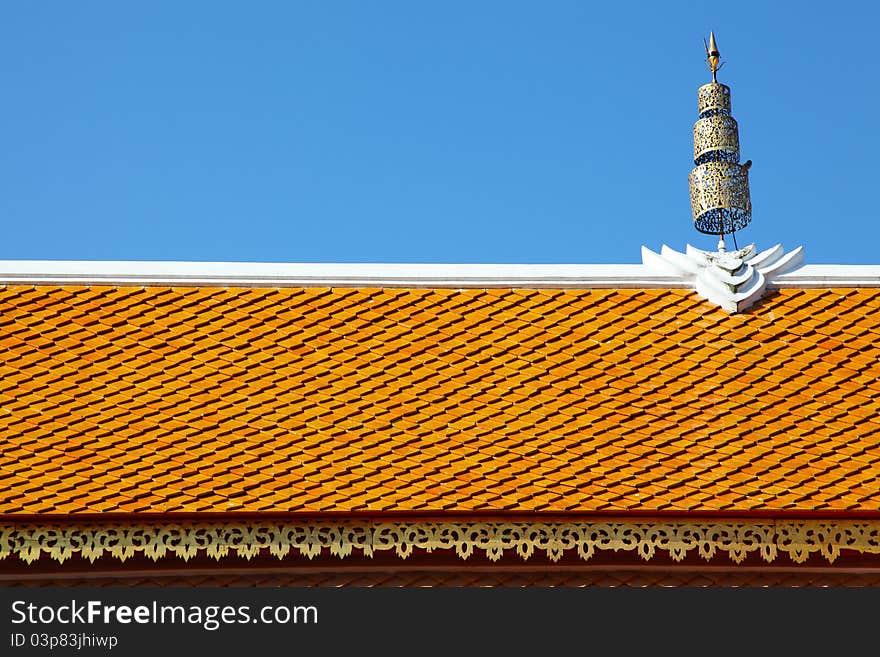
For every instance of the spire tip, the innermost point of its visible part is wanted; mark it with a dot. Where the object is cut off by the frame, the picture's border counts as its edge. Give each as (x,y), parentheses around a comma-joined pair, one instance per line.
(713,57)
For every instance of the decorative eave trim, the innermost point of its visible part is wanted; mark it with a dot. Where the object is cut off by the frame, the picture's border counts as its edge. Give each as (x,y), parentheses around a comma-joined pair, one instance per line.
(796,539)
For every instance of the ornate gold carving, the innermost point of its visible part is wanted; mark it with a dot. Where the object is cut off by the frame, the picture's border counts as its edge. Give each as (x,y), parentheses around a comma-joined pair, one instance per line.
(713,96)
(798,539)
(719,185)
(716,133)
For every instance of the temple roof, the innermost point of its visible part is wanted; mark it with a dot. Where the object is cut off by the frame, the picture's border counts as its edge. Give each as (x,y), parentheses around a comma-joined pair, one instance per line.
(215,398)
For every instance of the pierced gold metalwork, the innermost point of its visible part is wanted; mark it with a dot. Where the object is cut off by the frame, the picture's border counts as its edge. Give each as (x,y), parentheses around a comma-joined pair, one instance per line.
(716,133)
(717,185)
(796,539)
(713,96)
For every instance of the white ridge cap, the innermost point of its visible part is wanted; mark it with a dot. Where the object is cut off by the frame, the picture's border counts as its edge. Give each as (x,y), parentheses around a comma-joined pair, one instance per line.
(830,276)
(261,274)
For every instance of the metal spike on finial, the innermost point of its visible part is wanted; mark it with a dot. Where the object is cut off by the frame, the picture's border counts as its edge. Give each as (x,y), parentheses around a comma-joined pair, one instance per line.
(713,57)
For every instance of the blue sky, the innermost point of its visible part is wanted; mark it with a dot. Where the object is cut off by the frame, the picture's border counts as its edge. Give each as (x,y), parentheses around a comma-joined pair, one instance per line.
(451,131)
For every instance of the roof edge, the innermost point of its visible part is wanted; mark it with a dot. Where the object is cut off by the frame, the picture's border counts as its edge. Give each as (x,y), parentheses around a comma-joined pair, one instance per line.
(438,515)
(428,275)
(260,274)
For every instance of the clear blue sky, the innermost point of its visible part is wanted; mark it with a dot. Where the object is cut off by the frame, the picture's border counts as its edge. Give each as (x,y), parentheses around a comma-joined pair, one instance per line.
(453,131)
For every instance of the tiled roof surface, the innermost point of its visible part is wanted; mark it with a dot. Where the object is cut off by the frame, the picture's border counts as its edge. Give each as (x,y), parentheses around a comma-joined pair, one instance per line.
(217,399)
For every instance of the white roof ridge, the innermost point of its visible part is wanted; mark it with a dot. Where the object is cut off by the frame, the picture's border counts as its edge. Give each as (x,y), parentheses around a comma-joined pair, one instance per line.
(262,274)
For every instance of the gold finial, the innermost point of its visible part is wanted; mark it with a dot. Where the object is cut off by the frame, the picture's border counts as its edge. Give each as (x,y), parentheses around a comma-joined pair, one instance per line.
(719,184)
(713,57)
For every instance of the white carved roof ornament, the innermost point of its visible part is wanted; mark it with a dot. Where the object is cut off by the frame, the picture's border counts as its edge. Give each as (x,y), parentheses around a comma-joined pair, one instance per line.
(733,280)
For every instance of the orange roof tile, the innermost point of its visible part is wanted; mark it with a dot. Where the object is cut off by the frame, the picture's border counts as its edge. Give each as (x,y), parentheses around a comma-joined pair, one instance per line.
(158,399)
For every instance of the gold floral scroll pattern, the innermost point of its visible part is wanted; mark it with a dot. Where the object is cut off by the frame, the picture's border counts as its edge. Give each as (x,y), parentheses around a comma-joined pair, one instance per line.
(716,133)
(717,185)
(713,96)
(797,540)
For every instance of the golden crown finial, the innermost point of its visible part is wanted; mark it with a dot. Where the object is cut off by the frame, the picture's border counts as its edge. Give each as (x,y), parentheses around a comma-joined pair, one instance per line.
(713,57)
(719,184)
